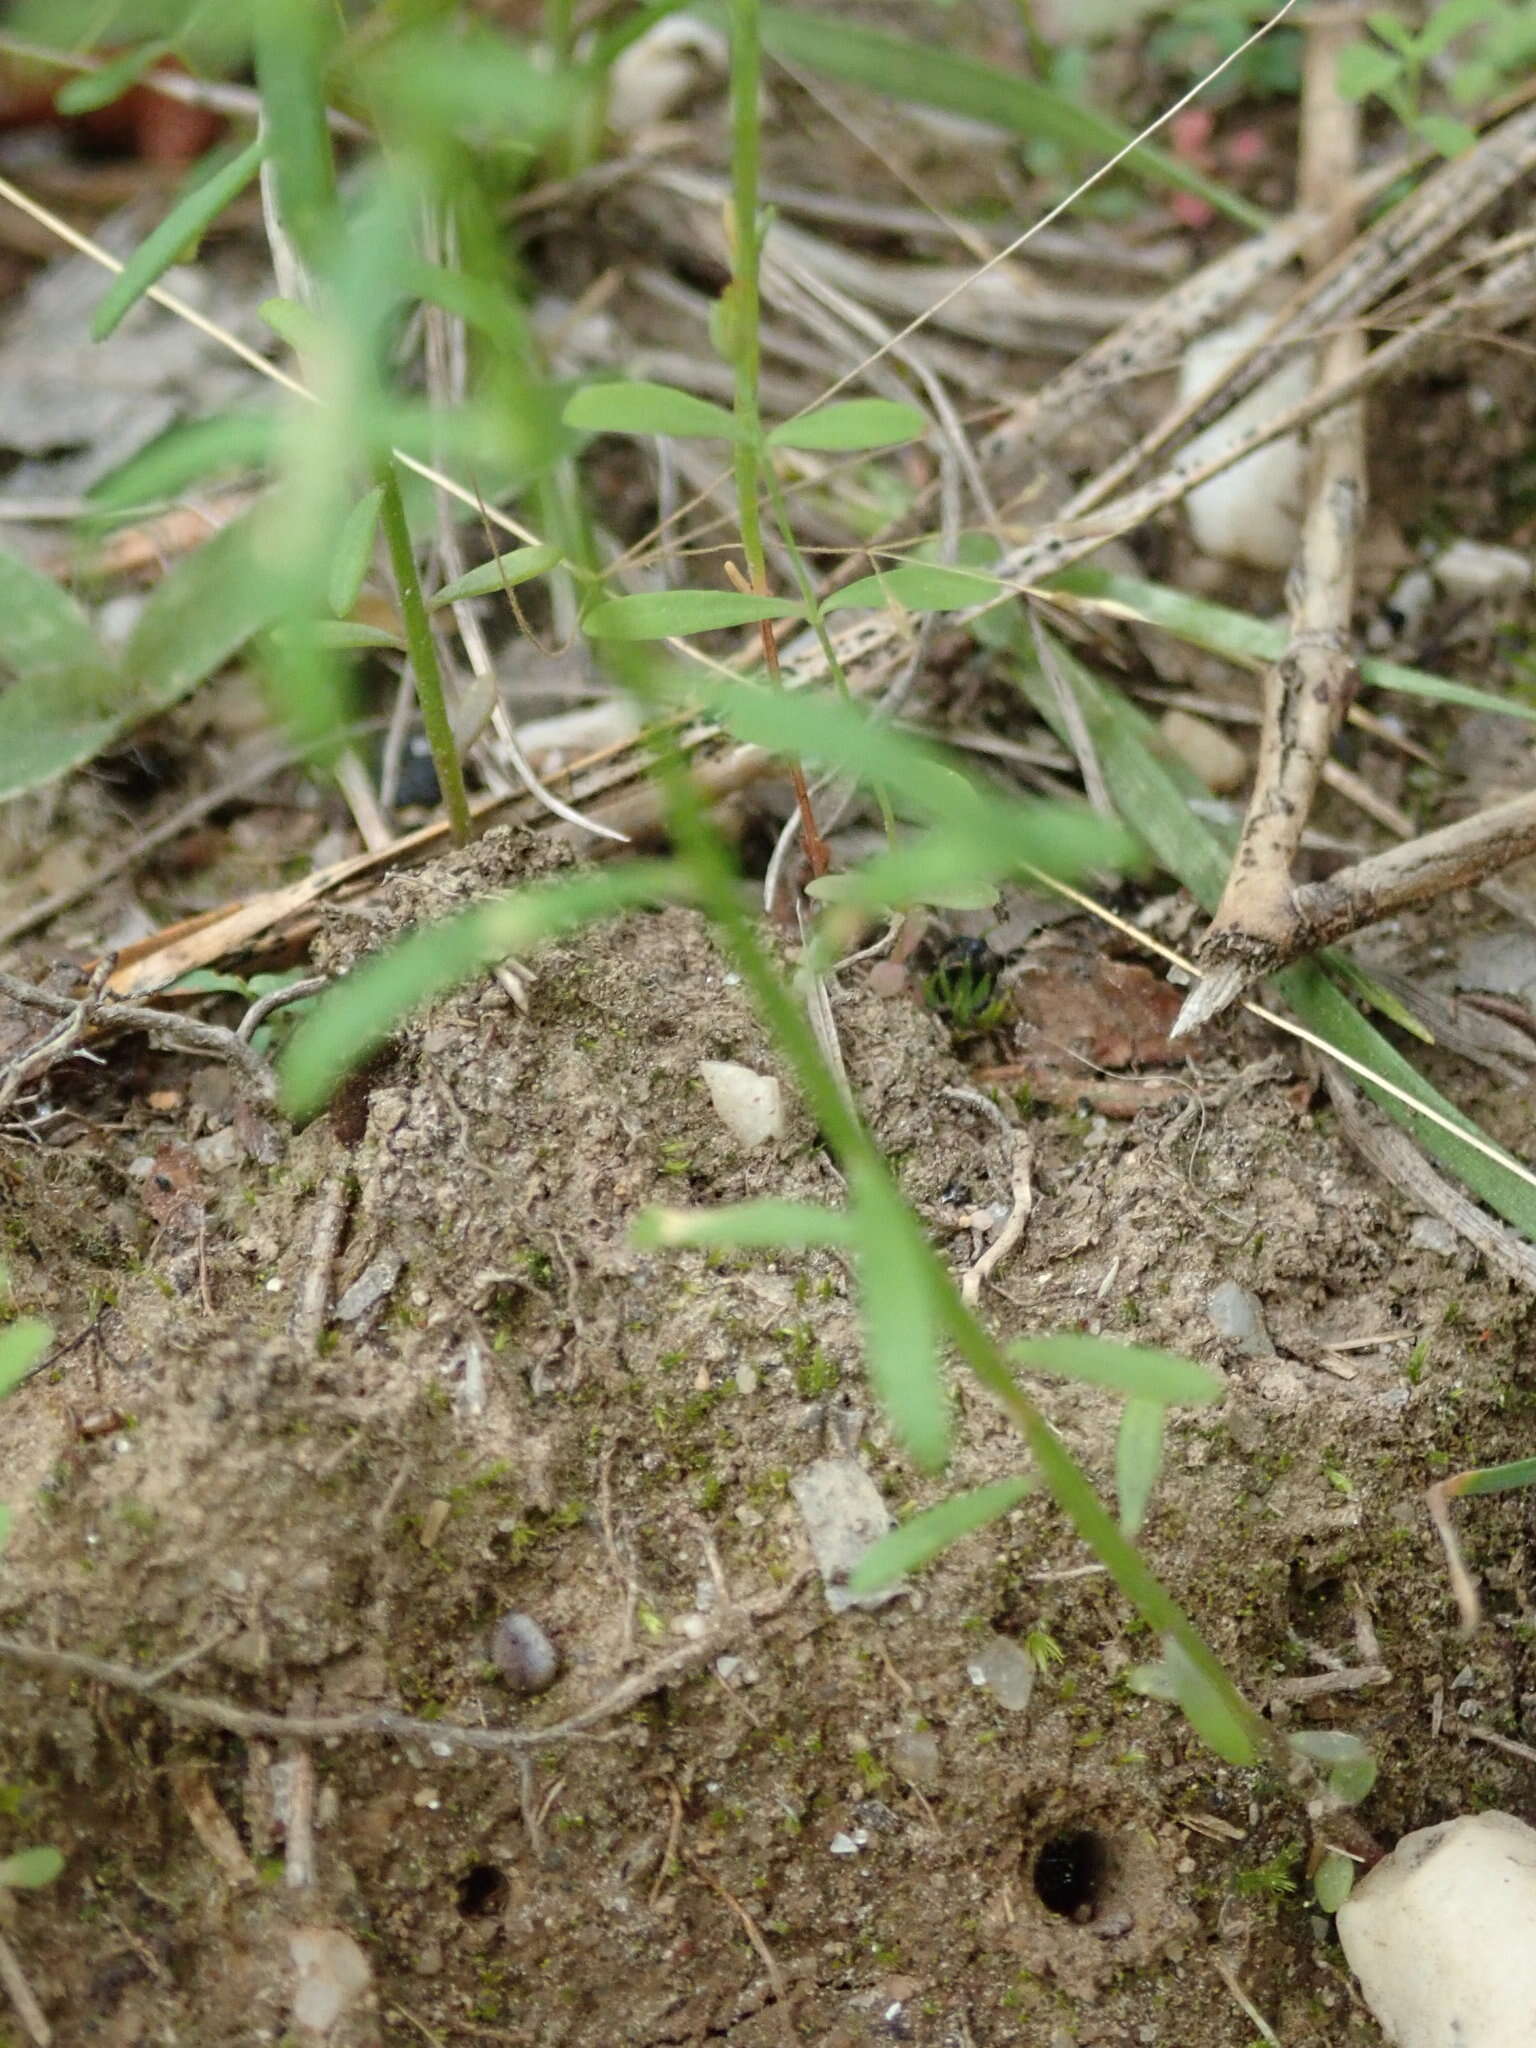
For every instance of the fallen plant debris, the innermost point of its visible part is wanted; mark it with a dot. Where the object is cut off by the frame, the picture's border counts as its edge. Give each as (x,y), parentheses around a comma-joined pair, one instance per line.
(620,1239)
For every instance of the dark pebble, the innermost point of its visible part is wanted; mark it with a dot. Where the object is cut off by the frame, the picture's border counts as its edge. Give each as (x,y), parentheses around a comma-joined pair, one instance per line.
(523,1654)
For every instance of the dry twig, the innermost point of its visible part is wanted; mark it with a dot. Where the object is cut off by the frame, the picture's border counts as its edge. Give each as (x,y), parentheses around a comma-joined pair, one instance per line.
(14,1981)
(97,1015)
(729,1624)
(1392,1154)
(1307,692)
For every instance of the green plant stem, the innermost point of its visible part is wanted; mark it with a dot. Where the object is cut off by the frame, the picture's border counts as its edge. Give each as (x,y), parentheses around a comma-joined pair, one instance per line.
(817,618)
(701,850)
(1074,1495)
(746,88)
(422,648)
(557,30)
(1039,50)
(807,588)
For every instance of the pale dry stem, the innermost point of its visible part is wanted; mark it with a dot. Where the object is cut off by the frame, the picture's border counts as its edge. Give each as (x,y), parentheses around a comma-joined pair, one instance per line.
(1307,692)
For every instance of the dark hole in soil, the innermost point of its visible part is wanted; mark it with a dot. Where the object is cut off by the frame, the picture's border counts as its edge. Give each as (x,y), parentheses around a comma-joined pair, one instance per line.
(482,1891)
(1069,1873)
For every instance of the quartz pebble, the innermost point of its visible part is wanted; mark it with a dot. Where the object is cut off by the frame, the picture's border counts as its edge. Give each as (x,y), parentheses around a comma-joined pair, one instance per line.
(843,1514)
(750,1105)
(1005,1670)
(1442,1935)
(914,1755)
(523,1654)
(331,1973)
(1239,1318)
(1251,512)
(1471,569)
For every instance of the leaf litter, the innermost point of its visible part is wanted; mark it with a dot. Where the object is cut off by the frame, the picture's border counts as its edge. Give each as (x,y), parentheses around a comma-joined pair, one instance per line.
(496,1166)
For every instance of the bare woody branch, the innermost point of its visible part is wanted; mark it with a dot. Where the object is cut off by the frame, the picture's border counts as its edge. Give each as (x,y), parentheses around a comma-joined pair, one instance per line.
(1308,691)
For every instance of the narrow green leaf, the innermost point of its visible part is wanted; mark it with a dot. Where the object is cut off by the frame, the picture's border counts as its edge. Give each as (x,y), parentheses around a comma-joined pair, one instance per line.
(187,455)
(1445,133)
(1138,1459)
(342,635)
(300,326)
(850,424)
(199,616)
(294,43)
(5,1525)
(1003,834)
(62,703)
(1130,1369)
(916,587)
(1349,974)
(641,408)
(465,79)
(1363,69)
(194,212)
(98,88)
(29,1868)
(506,572)
(930,75)
(960,868)
(44,635)
(349,1024)
(1397,33)
(1178,1679)
(22,1344)
(899,1311)
(919,1541)
(1494,1478)
(661,614)
(740,1226)
(1241,637)
(354,552)
(1328,1745)
(1449,19)
(1334,1880)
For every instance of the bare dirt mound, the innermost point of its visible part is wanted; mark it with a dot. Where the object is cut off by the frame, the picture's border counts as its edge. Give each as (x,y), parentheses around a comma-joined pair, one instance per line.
(944,1821)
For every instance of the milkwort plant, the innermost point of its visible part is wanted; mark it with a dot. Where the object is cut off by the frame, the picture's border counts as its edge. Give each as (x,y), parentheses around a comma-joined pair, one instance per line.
(461,119)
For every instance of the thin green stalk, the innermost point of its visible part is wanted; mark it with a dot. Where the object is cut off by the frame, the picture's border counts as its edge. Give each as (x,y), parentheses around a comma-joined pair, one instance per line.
(808,595)
(817,618)
(745,310)
(1074,1495)
(701,850)
(422,648)
(557,30)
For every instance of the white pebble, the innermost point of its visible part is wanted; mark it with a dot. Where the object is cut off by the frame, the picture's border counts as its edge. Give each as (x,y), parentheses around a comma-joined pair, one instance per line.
(1442,1935)
(750,1105)
(1252,511)
(1471,569)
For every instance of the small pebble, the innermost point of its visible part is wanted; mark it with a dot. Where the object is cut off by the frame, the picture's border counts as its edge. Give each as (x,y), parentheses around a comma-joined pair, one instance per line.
(1006,1671)
(1472,569)
(1251,512)
(523,1654)
(843,1514)
(1239,1318)
(1218,761)
(1432,1234)
(914,1755)
(749,1104)
(369,1288)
